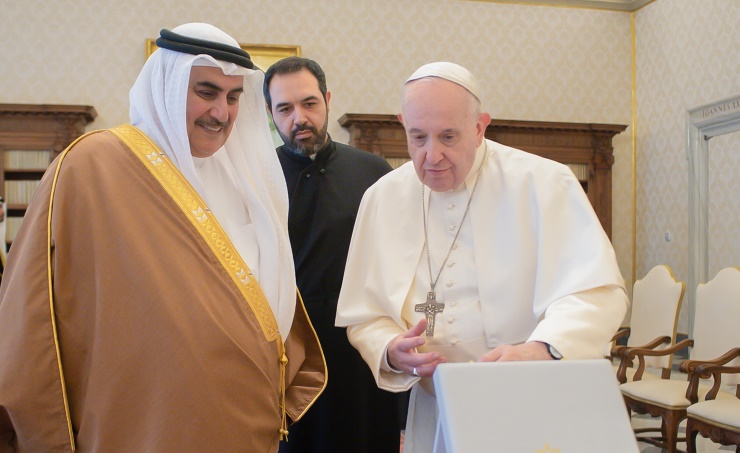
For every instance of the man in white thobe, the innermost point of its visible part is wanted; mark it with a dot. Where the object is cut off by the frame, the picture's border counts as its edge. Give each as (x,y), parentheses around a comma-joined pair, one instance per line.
(472,251)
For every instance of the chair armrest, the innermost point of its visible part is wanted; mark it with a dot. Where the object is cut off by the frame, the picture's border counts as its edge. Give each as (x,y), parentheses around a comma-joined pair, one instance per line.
(621,333)
(630,353)
(655,343)
(616,350)
(704,371)
(716,371)
(625,362)
(688,366)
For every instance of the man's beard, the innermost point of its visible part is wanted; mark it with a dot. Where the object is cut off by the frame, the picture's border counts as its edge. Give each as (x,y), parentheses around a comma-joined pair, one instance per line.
(308,146)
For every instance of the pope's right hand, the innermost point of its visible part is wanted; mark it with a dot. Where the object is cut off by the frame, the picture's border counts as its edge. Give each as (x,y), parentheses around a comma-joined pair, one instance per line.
(402,353)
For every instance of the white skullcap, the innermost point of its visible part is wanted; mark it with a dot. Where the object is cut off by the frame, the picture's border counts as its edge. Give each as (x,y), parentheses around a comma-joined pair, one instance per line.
(448,71)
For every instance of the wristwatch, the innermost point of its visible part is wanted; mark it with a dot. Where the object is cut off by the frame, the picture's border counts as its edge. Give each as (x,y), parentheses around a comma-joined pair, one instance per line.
(553,352)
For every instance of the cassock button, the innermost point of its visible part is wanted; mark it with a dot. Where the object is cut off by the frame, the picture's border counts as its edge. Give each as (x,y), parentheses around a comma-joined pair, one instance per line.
(322,171)
(450,283)
(308,175)
(452,227)
(450,320)
(451,206)
(453,303)
(454,341)
(450,264)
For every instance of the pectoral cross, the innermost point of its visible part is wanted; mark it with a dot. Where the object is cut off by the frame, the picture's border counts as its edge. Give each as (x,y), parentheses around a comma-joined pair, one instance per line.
(430,309)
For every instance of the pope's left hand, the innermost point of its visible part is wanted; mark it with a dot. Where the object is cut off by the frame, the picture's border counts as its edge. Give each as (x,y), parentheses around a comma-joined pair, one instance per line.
(534,350)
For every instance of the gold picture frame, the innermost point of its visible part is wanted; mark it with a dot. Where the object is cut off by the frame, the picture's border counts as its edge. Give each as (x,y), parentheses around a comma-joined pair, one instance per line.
(263,55)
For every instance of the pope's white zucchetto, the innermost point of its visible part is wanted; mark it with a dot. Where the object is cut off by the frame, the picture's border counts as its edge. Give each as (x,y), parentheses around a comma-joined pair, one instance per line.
(448,71)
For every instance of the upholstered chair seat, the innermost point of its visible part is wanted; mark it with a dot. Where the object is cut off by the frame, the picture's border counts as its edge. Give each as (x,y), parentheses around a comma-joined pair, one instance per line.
(724,411)
(668,394)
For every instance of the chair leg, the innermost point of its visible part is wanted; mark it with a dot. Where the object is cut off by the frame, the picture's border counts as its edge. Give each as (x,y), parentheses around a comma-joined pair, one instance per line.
(691,434)
(671,422)
(664,428)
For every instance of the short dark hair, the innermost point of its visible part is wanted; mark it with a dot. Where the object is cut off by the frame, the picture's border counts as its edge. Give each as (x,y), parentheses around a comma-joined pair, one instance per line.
(292,65)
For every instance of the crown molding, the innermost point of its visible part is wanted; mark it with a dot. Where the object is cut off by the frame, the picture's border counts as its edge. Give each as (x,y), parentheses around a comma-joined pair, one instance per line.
(612,5)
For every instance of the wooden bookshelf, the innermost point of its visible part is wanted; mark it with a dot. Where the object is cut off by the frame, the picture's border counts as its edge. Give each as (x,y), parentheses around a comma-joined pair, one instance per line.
(31,136)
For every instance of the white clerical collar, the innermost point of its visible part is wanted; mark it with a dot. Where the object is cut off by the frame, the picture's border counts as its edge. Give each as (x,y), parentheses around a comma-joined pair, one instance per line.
(470,179)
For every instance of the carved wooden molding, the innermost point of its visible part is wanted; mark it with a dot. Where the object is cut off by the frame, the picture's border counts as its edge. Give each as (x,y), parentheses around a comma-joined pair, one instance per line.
(380,134)
(42,126)
(567,143)
(716,433)
(37,127)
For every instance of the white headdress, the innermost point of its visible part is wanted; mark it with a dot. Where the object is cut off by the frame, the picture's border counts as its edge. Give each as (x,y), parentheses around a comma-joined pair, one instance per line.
(158,107)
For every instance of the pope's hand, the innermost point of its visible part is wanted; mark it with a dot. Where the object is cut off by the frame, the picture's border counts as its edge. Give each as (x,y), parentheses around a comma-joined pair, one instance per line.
(533,350)
(402,353)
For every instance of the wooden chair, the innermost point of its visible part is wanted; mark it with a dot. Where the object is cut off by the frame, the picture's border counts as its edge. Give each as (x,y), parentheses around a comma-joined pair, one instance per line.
(656,302)
(715,333)
(719,420)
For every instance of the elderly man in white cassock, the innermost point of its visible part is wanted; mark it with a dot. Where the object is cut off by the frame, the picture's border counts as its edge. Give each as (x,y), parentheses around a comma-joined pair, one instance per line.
(149,302)
(474,251)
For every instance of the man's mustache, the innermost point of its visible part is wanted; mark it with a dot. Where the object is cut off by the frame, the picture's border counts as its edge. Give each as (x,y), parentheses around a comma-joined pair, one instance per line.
(213,122)
(303,127)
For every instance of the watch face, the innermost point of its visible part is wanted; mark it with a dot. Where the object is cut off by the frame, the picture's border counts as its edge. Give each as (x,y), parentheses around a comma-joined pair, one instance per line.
(554,353)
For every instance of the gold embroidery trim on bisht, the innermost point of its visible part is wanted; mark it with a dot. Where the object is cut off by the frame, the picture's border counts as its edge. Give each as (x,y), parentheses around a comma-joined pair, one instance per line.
(195,210)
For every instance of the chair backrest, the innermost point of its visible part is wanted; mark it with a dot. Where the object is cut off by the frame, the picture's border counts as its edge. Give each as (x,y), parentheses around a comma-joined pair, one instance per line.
(656,302)
(717,318)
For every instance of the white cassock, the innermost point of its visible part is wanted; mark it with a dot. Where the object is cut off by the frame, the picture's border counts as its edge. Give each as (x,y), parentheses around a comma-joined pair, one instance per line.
(531,263)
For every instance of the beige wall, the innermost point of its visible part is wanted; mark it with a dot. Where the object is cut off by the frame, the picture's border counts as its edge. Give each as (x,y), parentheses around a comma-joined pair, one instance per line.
(535,63)
(687,54)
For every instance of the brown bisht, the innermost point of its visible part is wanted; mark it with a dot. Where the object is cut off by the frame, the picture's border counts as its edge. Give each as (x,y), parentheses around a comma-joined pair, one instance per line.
(129,323)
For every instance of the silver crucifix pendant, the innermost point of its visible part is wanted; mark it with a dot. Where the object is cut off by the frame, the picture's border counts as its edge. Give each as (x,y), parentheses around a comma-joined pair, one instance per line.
(430,309)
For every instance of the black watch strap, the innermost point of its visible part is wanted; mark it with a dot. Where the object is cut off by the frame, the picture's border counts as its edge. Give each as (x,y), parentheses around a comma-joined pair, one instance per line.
(553,352)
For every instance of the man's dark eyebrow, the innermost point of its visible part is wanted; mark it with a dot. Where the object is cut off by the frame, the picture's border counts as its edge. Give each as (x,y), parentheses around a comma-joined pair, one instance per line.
(213,86)
(210,85)
(309,98)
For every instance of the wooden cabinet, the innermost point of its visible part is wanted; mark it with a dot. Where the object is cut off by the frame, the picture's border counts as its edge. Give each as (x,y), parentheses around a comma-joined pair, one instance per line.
(586,148)
(31,135)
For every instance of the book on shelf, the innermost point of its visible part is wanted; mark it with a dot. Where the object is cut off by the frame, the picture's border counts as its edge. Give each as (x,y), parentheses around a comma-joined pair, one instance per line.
(18,159)
(20,191)
(12,225)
